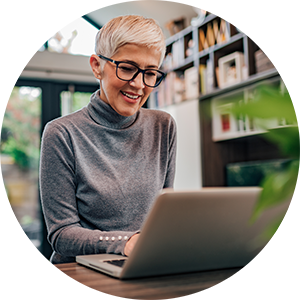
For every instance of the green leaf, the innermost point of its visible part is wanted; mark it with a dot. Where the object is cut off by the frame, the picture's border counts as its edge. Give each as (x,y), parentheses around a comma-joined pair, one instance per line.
(277,187)
(268,103)
(287,140)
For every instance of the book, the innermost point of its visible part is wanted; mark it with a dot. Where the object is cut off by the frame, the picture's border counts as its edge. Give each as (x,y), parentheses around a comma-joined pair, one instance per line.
(217,76)
(168,62)
(202,40)
(169,88)
(177,53)
(223,34)
(202,72)
(216,30)
(161,95)
(179,88)
(209,76)
(271,57)
(210,35)
(153,101)
(191,79)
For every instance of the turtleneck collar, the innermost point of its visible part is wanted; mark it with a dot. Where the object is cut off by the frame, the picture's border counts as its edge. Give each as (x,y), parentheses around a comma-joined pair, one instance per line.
(103,114)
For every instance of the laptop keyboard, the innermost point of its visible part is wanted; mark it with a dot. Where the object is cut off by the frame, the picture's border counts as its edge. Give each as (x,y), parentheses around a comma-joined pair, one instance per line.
(116,262)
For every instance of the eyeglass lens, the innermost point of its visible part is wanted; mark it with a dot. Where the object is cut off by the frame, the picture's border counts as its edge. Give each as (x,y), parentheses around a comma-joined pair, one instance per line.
(127,71)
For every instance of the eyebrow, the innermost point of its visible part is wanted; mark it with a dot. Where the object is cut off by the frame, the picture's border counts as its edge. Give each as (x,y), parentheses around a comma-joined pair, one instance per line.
(134,63)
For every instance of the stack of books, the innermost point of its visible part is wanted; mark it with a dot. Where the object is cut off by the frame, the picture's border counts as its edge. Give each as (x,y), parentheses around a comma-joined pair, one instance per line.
(177,53)
(215,33)
(271,57)
(170,91)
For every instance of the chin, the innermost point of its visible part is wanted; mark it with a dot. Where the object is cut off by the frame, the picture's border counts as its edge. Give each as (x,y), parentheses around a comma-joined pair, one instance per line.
(127,111)
(128,114)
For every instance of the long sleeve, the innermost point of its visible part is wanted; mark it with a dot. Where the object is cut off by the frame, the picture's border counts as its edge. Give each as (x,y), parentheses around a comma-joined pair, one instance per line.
(58,194)
(99,175)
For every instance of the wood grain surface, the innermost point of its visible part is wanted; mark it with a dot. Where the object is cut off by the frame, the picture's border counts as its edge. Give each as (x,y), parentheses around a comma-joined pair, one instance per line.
(78,282)
(279,281)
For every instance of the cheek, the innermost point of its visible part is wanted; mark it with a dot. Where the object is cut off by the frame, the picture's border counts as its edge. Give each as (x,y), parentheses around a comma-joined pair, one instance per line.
(113,85)
(146,95)
(118,84)
(148,91)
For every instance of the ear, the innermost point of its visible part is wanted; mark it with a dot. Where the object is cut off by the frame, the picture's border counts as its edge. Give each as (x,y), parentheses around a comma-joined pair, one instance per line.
(95,65)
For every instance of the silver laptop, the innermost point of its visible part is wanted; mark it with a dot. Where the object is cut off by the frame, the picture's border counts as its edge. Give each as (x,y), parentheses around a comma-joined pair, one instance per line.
(187,231)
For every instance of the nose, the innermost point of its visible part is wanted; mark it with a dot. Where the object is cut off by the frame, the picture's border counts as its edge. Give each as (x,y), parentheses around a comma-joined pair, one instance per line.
(137,81)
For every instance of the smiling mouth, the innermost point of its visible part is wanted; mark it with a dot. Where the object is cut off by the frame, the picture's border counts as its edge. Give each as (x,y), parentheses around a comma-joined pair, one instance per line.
(130,96)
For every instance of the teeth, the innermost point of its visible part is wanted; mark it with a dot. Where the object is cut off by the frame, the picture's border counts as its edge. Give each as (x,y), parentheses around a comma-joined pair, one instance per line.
(130,96)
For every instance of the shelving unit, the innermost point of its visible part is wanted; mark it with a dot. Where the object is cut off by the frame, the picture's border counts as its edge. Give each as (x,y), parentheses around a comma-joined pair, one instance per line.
(227,126)
(204,47)
(214,61)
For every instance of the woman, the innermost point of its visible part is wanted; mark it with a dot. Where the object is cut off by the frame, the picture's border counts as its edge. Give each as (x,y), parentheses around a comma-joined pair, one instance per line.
(102,166)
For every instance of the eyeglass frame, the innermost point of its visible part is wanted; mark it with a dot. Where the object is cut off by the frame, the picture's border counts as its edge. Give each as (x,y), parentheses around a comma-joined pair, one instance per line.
(139,70)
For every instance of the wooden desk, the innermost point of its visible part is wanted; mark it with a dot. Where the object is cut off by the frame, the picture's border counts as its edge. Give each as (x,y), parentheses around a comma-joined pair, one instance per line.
(280,280)
(78,282)
(22,283)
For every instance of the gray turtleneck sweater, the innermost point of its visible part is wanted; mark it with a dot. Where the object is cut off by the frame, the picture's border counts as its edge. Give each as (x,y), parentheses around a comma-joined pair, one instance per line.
(100,173)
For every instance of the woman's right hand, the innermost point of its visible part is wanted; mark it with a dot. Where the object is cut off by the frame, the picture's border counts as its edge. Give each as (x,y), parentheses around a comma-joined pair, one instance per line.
(130,244)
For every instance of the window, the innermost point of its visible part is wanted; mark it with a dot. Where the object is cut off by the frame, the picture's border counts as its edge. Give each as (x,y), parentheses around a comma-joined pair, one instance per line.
(72,101)
(20,143)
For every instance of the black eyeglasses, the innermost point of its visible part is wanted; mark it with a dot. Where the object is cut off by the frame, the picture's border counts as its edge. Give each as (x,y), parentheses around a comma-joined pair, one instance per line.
(127,71)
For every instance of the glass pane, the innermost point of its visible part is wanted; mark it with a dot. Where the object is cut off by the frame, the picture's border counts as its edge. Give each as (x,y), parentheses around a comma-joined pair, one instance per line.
(20,144)
(77,38)
(71,102)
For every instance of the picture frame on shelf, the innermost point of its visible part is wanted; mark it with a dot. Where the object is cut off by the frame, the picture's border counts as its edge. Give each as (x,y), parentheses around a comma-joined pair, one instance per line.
(224,124)
(225,117)
(231,69)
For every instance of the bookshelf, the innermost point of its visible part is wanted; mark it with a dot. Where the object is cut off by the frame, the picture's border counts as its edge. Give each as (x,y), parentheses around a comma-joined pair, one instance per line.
(227,126)
(223,56)
(214,62)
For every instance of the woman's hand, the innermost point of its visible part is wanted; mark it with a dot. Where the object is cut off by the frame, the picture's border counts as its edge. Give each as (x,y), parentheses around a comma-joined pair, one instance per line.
(130,244)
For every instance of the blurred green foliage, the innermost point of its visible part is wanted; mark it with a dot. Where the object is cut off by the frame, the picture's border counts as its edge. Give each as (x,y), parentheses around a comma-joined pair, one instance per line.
(20,133)
(273,103)
(80,100)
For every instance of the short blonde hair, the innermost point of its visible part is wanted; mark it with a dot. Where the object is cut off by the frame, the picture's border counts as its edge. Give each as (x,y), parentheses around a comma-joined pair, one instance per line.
(130,29)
